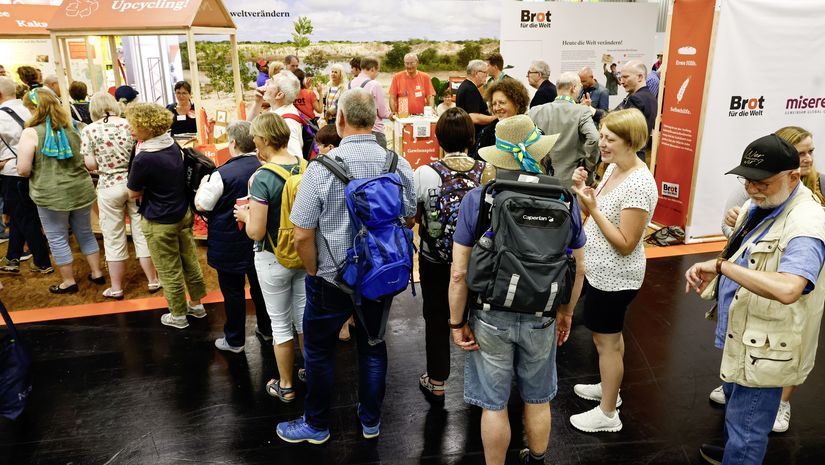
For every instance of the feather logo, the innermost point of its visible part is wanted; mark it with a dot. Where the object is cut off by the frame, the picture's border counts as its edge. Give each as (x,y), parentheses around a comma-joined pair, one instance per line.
(681,93)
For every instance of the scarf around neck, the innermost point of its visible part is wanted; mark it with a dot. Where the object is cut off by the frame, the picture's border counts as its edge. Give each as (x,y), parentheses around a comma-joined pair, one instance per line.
(156,144)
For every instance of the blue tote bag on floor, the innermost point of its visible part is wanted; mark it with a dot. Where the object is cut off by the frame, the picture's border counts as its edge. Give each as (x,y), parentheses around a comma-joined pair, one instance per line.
(15,380)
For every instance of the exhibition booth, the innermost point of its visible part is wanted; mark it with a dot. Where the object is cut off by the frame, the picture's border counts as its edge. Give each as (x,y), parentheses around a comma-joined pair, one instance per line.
(23,36)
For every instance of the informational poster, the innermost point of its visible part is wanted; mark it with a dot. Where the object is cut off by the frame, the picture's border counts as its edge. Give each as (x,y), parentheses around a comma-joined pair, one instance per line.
(767,72)
(569,36)
(686,66)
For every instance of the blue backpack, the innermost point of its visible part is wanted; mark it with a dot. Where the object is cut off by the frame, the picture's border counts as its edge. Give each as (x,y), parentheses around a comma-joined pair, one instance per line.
(379,260)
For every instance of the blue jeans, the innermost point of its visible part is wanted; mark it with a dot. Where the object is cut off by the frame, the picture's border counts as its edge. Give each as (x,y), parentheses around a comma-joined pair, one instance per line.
(327,308)
(749,416)
(506,339)
(56,227)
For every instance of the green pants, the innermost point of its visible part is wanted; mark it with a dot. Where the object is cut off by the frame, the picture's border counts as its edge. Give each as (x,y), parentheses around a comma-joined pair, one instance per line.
(172,247)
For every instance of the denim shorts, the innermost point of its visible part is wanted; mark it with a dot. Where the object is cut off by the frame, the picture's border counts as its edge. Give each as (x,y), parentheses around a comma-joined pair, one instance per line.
(505,339)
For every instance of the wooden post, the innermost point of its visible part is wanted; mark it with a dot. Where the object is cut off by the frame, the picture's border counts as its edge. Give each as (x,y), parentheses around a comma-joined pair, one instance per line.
(236,71)
(61,72)
(66,57)
(115,61)
(90,63)
(196,85)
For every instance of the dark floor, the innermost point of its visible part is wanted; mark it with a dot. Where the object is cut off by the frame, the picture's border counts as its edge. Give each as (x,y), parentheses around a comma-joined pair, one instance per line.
(123,389)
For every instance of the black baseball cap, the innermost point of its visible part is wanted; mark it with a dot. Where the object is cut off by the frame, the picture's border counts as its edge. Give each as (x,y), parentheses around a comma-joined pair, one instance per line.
(766,157)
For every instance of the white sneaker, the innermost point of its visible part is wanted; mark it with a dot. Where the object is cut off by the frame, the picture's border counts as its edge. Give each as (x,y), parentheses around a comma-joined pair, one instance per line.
(783,417)
(718,395)
(221,344)
(197,311)
(179,322)
(595,421)
(593,392)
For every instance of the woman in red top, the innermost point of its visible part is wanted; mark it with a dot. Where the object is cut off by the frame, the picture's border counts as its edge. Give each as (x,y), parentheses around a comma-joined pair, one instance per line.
(307,102)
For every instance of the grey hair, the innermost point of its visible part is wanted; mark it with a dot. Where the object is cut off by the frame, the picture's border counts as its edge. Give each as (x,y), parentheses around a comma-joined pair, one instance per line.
(288,59)
(340,68)
(7,87)
(101,104)
(568,80)
(52,78)
(288,84)
(542,67)
(239,132)
(636,66)
(476,65)
(411,55)
(358,107)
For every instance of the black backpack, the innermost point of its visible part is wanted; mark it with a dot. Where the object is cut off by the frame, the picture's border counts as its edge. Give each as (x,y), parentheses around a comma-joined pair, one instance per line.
(196,167)
(520,262)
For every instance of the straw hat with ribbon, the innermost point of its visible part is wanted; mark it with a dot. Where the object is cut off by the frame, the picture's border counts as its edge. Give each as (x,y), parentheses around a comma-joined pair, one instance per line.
(519,145)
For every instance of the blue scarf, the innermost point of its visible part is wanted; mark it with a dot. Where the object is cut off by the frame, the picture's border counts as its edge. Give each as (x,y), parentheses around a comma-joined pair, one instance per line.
(525,160)
(56,144)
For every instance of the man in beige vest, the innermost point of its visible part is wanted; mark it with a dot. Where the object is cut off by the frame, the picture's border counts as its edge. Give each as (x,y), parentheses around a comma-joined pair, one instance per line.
(770,296)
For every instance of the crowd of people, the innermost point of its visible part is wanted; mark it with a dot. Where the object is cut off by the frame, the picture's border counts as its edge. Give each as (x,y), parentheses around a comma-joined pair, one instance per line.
(281,224)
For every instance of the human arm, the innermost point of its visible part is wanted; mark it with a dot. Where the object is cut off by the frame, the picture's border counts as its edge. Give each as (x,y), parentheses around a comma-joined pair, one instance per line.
(393,94)
(482,119)
(254,215)
(305,246)
(209,192)
(632,222)
(601,100)
(564,314)
(317,106)
(457,297)
(26,147)
(785,288)
(87,149)
(587,128)
(257,104)
(380,103)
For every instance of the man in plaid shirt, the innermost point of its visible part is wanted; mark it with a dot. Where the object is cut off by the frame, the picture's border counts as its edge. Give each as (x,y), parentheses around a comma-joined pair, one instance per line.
(322,235)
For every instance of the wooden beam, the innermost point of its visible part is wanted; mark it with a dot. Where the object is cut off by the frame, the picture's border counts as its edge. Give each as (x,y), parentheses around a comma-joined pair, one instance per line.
(213,31)
(61,72)
(67,58)
(125,32)
(236,71)
(196,85)
(115,61)
(90,63)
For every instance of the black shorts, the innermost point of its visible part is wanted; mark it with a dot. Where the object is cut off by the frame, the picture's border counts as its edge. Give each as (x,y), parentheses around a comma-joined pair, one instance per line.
(604,310)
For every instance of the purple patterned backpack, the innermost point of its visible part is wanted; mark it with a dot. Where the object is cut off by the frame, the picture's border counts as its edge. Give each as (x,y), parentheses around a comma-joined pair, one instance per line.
(440,220)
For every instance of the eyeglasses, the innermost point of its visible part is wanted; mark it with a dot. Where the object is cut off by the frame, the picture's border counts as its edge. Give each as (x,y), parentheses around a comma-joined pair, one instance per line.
(532,72)
(761,185)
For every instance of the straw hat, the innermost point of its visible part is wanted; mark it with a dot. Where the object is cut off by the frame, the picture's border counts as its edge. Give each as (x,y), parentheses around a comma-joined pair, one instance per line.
(516,130)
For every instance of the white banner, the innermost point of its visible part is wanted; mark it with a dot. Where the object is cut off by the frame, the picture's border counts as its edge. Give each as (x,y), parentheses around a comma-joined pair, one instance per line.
(767,72)
(569,36)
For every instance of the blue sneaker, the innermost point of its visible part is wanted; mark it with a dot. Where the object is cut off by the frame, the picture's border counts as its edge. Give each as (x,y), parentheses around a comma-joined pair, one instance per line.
(299,430)
(369,432)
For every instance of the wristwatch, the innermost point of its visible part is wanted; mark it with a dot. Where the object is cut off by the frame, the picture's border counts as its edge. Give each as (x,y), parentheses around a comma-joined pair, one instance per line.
(719,262)
(456,326)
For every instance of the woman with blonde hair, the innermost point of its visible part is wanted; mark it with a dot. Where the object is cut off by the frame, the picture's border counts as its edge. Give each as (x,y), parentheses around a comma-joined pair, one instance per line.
(157,178)
(107,146)
(336,87)
(49,150)
(618,211)
(283,288)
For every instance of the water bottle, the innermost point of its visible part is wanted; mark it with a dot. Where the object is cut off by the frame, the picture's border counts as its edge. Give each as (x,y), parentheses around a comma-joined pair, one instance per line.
(486,240)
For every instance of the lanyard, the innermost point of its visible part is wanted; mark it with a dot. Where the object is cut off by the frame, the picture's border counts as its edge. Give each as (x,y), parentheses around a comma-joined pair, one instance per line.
(566,98)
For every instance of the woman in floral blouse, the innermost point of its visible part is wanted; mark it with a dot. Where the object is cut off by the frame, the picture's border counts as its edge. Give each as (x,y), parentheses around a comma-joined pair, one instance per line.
(107,146)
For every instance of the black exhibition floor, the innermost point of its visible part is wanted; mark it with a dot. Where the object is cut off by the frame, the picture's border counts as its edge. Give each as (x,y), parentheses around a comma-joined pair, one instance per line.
(123,389)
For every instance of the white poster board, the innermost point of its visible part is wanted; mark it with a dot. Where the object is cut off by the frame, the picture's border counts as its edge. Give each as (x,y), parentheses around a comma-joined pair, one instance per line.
(569,36)
(765,59)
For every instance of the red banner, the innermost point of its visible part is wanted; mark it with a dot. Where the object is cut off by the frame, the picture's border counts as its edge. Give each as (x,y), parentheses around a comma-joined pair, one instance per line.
(687,61)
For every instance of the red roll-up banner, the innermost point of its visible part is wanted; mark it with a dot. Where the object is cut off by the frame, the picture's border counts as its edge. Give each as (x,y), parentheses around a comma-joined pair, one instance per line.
(691,28)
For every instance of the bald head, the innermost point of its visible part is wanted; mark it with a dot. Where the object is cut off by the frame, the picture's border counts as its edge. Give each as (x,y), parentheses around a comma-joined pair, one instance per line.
(633,76)
(586,76)
(7,89)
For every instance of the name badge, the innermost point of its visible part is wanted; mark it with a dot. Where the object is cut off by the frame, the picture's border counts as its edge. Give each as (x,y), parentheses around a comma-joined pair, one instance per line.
(181,117)
(419,94)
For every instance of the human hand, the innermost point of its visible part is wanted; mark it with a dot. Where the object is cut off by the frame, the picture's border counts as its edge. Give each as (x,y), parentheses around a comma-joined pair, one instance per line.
(259,95)
(563,324)
(587,198)
(241,213)
(586,99)
(464,338)
(731,216)
(579,178)
(700,275)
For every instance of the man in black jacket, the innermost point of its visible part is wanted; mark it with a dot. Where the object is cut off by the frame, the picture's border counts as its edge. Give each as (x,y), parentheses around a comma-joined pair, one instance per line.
(633,78)
(538,77)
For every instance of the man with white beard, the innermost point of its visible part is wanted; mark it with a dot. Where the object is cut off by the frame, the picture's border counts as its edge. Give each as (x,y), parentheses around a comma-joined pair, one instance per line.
(770,295)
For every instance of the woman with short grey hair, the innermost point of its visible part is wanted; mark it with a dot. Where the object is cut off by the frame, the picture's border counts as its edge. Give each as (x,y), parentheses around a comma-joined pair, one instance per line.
(107,146)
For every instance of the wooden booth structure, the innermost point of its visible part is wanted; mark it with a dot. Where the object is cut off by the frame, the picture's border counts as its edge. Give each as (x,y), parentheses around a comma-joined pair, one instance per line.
(112,18)
(25,22)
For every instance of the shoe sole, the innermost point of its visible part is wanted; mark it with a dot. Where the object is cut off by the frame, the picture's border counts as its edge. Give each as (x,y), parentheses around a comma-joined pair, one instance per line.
(717,402)
(597,399)
(780,430)
(196,315)
(708,459)
(296,441)
(614,429)
(171,325)
(370,436)
(234,350)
